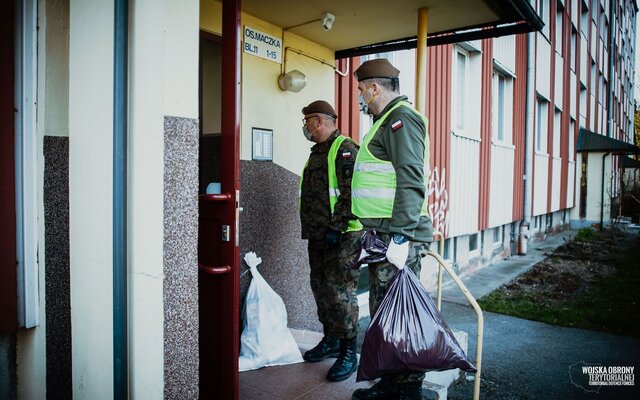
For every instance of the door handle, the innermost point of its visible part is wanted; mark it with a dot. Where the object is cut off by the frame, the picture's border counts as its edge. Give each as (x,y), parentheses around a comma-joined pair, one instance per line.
(221,270)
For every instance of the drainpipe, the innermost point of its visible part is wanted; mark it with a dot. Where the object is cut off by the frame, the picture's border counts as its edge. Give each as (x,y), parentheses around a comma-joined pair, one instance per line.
(612,30)
(120,62)
(421,61)
(528,145)
(604,157)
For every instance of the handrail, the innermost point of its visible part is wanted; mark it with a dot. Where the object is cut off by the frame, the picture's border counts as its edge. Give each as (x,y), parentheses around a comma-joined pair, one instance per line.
(476,307)
(441,250)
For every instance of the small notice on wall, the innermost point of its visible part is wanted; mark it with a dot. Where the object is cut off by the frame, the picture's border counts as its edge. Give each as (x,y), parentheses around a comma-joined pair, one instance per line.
(262,45)
(262,144)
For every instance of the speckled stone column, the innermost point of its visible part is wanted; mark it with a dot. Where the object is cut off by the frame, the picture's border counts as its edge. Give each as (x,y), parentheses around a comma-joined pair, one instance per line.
(181,360)
(270,226)
(57,278)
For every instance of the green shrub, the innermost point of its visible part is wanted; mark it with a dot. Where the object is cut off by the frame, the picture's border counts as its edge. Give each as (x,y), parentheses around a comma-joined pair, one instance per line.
(585,234)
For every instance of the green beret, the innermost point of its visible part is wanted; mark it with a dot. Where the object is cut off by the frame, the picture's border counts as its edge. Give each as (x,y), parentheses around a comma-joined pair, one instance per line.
(321,107)
(376,68)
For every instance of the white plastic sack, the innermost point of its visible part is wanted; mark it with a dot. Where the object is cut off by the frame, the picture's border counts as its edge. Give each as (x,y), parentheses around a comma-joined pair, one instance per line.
(266,339)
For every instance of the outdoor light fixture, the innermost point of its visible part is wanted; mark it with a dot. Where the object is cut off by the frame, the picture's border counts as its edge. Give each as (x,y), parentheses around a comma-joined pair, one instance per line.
(293,81)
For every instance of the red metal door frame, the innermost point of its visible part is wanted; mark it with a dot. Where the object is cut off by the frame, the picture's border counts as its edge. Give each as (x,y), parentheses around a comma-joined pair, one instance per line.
(219,260)
(8,258)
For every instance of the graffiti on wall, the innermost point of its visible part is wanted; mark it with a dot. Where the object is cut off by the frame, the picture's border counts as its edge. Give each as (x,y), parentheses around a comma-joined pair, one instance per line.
(439,205)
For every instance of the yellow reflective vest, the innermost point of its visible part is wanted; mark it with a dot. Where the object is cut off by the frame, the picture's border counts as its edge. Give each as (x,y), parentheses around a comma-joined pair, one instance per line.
(373,187)
(334,189)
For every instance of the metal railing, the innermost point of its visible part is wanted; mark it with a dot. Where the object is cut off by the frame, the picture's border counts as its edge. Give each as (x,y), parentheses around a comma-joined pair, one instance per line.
(442,264)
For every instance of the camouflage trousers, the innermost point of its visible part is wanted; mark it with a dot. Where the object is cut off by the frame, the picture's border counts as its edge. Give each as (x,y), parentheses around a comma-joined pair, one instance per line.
(334,283)
(379,276)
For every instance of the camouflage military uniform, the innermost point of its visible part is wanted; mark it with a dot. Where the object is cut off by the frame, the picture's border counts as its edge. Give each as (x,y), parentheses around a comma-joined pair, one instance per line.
(333,282)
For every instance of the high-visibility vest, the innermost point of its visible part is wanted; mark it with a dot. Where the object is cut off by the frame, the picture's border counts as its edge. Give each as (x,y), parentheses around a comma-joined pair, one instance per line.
(334,189)
(373,187)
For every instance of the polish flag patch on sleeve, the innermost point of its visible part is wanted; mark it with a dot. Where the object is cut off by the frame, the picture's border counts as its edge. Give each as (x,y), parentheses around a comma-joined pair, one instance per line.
(396,125)
(346,154)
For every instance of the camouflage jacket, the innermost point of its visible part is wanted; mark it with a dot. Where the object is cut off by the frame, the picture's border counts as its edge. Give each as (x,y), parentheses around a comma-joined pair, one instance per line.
(315,211)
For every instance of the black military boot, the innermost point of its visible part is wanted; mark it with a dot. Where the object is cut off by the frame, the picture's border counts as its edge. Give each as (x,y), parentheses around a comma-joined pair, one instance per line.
(388,390)
(383,390)
(410,391)
(347,361)
(329,347)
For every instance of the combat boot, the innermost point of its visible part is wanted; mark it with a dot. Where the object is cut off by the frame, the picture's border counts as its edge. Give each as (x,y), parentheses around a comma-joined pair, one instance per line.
(388,390)
(347,361)
(383,390)
(329,347)
(410,391)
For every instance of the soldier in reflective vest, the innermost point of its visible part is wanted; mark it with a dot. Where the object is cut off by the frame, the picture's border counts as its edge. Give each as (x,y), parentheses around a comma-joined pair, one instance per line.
(333,233)
(388,191)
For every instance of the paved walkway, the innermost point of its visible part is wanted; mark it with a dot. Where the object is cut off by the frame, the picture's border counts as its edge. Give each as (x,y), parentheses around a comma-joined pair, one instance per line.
(531,360)
(522,359)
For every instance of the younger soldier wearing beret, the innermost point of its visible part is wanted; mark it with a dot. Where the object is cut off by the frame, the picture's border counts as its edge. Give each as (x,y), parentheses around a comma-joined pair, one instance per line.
(333,233)
(389,195)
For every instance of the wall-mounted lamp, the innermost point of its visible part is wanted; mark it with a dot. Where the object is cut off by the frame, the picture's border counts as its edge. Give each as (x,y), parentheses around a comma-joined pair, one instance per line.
(293,81)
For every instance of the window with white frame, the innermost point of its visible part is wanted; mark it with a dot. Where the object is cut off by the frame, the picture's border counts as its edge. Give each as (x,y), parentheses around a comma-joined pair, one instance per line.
(542,125)
(461,86)
(584,17)
(474,245)
(543,12)
(465,91)
(557,129)
(502,107)
(574,44)
(497,236)
(572,127)
(559,27)
(447,249)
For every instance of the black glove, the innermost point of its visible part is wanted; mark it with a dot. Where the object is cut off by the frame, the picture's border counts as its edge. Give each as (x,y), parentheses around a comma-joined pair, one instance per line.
(332,237)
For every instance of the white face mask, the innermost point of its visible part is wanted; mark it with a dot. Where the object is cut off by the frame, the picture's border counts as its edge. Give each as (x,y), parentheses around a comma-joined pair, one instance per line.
(364,105)
(307,133)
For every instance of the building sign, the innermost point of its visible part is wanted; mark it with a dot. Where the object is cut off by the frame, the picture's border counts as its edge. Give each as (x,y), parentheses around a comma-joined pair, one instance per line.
(262,45)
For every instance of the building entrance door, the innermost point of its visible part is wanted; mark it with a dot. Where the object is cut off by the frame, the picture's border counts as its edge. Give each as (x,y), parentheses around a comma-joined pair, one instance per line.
(218,236)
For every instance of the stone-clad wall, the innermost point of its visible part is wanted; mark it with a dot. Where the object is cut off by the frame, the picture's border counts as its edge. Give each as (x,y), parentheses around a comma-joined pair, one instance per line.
(270,226)
(57,277)
(181,356)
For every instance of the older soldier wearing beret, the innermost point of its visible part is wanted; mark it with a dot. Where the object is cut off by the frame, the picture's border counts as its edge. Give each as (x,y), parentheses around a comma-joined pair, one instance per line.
(389,195)
(333,233)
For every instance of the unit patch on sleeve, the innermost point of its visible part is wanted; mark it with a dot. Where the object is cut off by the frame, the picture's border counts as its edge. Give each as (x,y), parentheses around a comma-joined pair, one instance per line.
(396,125)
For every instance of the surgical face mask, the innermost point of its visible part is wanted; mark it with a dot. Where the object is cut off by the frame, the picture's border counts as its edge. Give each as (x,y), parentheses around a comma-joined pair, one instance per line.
(364,105)
(308,134)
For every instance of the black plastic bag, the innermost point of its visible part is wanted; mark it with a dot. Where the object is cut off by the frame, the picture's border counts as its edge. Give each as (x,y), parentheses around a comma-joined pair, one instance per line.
(373,249)
(408,334)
